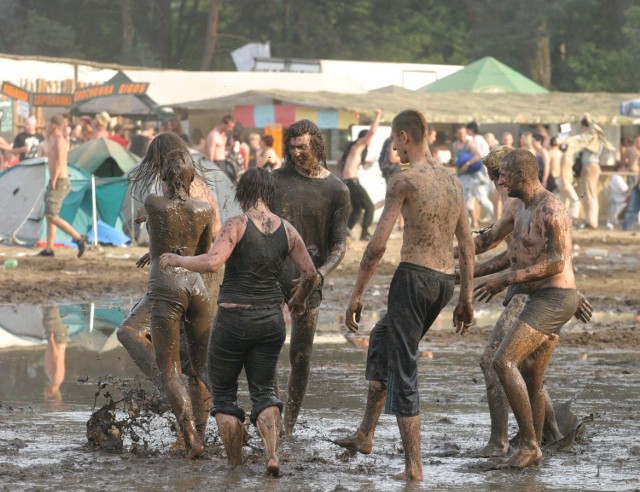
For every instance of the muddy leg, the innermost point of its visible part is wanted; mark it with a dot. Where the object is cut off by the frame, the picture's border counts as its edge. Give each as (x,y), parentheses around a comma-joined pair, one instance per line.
(362,439)
(135,336)
(410,434)
(303,330)
(197,330)
(497,400)
(521,341)
(534,381)
(230,430)
(166,343)
(550,429)
(268,424)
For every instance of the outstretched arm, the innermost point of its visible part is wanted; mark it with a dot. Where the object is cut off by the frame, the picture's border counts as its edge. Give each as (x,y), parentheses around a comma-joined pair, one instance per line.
(219,252)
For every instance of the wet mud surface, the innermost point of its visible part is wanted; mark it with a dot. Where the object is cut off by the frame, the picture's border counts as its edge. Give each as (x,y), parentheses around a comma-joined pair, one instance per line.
(44,446)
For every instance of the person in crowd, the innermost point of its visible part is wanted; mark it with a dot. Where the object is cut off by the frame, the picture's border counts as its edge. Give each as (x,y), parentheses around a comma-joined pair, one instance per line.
(118,135)
(269,158)
(631,216)
(544,161)
(58,188)
(353,157)
(316,203)
(249,329)
(431,199)
(555,166)
(142,138)
(254,150)
(27,143)
(589,179)
(617,195)
(491,139)
(507,139)
(87,129)
(541,264)
(101,124)
(217,141)
(75,137)
(473,179)
(174,125)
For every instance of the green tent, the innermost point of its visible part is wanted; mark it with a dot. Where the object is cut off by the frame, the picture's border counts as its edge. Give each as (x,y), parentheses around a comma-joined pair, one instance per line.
(486,75)
(103,157)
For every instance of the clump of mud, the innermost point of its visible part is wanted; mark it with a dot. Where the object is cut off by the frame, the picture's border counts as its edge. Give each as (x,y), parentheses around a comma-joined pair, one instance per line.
(124,422)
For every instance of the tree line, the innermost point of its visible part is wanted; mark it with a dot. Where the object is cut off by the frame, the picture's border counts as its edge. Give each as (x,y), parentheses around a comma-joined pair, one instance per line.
(565,45)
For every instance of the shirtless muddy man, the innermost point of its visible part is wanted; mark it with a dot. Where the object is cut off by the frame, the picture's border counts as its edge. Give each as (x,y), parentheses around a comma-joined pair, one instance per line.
(430,199)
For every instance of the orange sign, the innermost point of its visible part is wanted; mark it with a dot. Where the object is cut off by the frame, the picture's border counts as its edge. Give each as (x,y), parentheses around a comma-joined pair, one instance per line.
(109,90)
(44,99)
(14,92)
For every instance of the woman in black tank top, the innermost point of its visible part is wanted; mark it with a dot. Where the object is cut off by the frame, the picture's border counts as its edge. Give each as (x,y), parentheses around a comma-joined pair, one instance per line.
(249,329)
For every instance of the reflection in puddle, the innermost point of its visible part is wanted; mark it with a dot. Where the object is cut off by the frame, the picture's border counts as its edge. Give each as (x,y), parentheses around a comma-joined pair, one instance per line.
(42,437)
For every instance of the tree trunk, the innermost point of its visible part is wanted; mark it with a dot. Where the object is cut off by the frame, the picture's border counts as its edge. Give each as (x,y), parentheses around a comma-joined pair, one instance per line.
(540,62)
(212,35)
(128,27)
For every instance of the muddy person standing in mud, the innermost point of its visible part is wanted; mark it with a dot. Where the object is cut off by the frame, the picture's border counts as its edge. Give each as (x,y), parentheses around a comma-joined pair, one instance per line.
(182,225)
(540,251)
(430,199)
(317,204)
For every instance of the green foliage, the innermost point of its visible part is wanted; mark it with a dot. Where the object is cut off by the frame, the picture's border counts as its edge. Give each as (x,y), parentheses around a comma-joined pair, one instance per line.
(584,44)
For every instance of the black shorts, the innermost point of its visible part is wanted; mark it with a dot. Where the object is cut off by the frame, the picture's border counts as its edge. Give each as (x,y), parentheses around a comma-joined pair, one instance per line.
(416,297)
(549,308)
(249,338)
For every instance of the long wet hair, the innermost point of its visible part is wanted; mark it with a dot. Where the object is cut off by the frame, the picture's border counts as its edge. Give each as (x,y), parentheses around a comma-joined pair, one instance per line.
(178,171)
(148,174)
(255,184)
(316,143)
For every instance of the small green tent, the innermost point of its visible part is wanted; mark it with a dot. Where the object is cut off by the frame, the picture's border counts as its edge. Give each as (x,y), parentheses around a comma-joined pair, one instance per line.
(103,157)
(486,75)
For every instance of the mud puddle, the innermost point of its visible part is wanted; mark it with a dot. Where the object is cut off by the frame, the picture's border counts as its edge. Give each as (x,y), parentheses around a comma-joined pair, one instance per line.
(43,440)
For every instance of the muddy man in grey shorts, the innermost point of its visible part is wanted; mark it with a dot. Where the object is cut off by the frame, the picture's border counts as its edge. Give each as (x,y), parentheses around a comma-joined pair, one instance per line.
(540,256)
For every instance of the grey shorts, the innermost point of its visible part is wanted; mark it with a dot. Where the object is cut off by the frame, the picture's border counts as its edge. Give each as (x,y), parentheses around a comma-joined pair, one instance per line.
(550,308)
(53,198)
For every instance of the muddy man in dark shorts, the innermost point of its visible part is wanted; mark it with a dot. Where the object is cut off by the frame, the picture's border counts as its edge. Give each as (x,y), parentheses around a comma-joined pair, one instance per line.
(540,255)
(317,204)
(429,196)
(182,225)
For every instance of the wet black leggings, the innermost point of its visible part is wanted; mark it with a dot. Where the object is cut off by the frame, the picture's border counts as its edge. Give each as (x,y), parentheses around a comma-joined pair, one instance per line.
(249,338)
(360,200)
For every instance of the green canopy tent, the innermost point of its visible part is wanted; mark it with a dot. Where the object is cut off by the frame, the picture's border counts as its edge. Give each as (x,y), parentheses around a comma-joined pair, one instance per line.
(486,75)
(102,157)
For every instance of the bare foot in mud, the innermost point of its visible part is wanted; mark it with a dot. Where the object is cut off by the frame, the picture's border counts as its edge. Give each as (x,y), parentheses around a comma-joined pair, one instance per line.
(195,450)
(357,442)
(491,450)
(179,447)
(523,457)
(273,467)
(406,476)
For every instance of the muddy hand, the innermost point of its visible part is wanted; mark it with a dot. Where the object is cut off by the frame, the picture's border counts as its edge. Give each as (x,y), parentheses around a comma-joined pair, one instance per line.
(144,260)
(296,308)
(463,317)
(352,317)
(584,311)
(169,259)
(486,291)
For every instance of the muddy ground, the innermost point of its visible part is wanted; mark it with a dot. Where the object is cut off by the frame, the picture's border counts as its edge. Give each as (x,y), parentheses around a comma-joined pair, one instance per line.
(596,367)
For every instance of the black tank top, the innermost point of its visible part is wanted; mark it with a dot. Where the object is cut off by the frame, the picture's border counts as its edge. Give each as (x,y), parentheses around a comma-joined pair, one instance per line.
(252,271)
